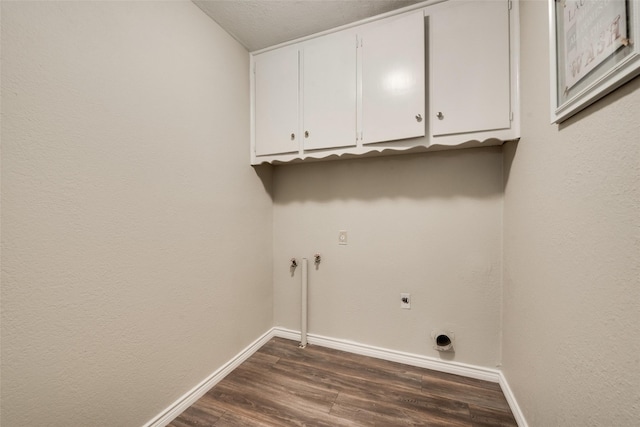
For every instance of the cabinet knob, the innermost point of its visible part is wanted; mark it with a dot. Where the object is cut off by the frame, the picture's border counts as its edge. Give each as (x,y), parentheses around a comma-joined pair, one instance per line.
(306,134)
(419,118)
(440,116)
(293,136)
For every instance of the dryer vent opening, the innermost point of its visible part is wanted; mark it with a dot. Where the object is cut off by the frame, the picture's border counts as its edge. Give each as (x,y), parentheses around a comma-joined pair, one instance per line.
(443,341)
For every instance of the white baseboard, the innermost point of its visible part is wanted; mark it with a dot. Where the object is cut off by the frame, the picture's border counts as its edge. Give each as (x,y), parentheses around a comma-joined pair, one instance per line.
(456,368)
(511,400)
(189,398)
(471,371)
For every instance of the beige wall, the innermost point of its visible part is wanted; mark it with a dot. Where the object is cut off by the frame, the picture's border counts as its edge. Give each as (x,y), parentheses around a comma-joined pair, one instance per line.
(426,224)
(572,252)
(136,239)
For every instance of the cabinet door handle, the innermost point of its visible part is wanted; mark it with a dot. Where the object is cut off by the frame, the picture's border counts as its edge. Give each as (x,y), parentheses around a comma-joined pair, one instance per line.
(419,118)
(306,134)
(440,116)
(293,136)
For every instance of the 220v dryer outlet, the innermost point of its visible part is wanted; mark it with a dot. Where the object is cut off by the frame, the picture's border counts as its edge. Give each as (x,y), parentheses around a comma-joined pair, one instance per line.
(405,301)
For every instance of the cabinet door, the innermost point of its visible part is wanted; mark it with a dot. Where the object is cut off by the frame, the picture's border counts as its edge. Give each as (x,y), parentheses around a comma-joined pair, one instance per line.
(329,91)
(276,101)
(469,57)
(393,82)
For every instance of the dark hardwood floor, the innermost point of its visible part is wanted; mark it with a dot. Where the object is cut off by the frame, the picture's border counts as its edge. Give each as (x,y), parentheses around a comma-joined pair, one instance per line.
(283,385)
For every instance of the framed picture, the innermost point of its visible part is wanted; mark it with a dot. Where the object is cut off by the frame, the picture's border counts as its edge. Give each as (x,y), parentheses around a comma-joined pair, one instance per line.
(594,49)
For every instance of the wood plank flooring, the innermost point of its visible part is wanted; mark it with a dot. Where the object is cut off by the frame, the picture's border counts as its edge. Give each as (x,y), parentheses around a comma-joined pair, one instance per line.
(283,385)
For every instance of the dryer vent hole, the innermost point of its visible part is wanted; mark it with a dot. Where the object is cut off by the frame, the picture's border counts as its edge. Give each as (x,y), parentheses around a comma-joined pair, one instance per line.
(443,341)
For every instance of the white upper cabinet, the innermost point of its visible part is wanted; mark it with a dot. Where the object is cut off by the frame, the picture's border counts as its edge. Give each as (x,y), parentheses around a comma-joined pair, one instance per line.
(276,102)
(305,96)
(443,75)
(393,78)
(329,91)
(470,84)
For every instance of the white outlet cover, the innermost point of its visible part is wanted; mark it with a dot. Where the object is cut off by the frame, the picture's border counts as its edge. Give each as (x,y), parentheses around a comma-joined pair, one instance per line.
(342,237)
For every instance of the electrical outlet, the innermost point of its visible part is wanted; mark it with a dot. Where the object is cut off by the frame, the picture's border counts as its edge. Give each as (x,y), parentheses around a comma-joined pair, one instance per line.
(342,237)
(405,301)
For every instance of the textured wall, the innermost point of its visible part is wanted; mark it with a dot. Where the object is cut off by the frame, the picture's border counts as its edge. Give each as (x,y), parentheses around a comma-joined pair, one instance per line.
(572,252)
(426,224)
(136,240)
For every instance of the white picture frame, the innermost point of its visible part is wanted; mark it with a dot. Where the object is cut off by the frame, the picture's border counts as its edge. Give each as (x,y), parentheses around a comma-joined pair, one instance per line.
(594,49)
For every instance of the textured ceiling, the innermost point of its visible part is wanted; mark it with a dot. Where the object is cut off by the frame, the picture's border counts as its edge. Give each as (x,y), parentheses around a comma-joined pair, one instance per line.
(257,24)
